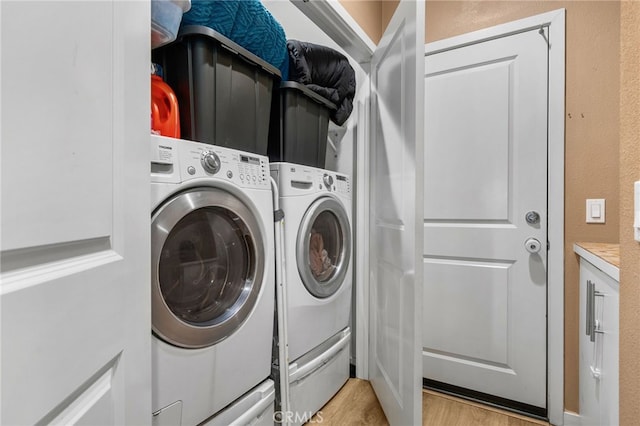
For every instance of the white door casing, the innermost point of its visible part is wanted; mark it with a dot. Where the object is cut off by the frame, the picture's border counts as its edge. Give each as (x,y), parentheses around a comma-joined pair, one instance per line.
(485,168)
(75,302)
(395,215)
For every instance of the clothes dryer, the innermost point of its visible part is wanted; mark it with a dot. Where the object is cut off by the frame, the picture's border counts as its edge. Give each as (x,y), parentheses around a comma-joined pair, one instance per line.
(318,257)
(212,286)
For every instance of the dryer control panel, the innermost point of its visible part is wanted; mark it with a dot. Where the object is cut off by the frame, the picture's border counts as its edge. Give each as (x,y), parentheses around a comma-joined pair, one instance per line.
(296,179)
(343,184)
(333,182)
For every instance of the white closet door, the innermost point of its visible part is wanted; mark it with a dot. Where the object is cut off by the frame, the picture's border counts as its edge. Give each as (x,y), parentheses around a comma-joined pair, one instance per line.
(75,303)
(396,215)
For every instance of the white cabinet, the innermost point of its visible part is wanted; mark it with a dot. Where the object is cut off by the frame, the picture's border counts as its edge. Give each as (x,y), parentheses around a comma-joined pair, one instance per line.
(599,307)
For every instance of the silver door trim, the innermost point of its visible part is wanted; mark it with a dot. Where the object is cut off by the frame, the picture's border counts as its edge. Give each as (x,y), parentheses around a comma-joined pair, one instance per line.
(167,325)
(327,288)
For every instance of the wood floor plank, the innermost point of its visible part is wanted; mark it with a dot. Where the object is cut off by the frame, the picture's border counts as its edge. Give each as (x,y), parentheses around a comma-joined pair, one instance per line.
(356,404)
(511,415)
(439,411)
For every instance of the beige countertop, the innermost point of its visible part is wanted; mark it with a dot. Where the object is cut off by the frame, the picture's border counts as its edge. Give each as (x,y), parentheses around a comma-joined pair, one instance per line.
(605,256)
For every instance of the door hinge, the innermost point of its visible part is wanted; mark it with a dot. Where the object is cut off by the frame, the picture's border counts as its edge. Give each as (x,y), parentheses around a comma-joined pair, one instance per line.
(542,33)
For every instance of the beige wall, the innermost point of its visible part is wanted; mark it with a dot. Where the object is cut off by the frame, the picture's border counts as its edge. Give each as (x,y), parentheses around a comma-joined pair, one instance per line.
(388,7)
(372,15)
(368,14)
(630,249)
(592,128)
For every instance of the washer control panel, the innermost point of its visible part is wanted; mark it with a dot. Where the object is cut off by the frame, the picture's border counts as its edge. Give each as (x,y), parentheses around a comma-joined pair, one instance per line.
(190,160)
(253,168)
(242,168)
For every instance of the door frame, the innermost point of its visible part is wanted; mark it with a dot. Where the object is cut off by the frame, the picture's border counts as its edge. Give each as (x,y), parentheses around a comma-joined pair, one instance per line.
(555,22)
(334,20)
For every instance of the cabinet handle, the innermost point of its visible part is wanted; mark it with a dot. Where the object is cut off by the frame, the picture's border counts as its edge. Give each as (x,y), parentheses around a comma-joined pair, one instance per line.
(589,310)
(595,326)
(590,317)
(592,302)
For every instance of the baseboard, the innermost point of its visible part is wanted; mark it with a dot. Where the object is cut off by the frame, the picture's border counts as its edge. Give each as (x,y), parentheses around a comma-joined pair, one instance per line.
(572,419)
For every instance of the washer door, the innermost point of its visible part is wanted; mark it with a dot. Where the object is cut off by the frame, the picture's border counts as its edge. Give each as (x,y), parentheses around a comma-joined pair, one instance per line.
(324,247)
(207,256)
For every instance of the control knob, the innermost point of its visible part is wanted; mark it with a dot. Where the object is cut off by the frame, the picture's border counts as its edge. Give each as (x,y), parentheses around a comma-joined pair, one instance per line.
(210,161)
(328,181)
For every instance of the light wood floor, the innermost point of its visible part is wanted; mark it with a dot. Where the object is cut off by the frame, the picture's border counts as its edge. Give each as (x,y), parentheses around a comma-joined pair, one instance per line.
(356,404)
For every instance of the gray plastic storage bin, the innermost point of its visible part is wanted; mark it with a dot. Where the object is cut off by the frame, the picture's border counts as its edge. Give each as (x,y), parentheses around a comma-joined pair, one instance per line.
(299,126)
(224,91)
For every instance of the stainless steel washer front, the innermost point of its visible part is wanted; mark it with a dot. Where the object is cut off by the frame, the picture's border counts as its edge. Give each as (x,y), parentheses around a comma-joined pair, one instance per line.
(207,254)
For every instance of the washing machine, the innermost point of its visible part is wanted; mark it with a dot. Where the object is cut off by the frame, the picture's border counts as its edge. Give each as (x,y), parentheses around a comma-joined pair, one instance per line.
(212,287)
(256,408)
(318,255)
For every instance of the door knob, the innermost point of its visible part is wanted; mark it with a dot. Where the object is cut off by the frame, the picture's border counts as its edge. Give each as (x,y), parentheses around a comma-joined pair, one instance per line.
(532,245)
(532,217)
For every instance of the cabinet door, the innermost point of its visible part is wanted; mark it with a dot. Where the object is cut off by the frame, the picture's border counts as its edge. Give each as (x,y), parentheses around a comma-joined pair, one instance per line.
(75,212)
(599,358)
(589,386)
(609,346)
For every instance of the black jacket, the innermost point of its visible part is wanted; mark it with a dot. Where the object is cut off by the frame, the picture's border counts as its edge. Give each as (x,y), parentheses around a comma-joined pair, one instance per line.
(326,72)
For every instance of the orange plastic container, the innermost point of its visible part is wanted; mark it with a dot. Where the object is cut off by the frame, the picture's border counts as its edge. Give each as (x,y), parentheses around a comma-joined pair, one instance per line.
(165,116)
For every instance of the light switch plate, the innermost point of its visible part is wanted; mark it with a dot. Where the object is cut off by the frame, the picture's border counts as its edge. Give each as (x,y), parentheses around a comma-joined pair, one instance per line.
(595,210)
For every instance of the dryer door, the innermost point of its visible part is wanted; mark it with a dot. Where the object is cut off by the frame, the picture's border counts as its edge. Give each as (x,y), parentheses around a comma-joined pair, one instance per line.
(207,253)
(324,247)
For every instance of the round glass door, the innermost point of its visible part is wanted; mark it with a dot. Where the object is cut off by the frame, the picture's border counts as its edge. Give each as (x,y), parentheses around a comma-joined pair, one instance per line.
(324,247)
(207,270)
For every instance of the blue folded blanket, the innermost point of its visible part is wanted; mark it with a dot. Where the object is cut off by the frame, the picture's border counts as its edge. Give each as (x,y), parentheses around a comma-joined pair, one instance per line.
(247,23)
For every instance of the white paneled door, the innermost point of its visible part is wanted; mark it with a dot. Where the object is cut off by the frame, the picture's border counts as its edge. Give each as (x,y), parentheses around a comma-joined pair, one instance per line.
(74,291)
(395,215)
(485,217)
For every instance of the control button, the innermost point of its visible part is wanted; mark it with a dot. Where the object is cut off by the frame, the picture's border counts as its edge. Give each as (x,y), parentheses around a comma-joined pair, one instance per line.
(241,176)
(191,170)
(229,174)
(210,161)
(254,178)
